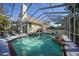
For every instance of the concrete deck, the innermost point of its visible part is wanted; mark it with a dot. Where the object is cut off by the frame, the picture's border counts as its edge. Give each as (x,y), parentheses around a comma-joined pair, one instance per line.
(71,48)
(4,50)
(17,36)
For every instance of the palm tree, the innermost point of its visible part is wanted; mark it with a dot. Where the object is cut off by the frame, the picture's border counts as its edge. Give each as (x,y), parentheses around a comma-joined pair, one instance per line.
(5,24)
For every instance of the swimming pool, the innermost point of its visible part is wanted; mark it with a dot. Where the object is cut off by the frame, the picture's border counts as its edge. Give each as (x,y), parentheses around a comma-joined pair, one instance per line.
(36,45)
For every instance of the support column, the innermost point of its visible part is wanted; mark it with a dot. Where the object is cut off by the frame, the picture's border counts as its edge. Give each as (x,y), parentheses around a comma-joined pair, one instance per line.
(28,27)
(74,23)
(69,27)
(65,27)
(21,29)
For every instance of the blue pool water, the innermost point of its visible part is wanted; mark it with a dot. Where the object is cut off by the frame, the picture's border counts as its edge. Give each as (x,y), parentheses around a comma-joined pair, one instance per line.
(36,45)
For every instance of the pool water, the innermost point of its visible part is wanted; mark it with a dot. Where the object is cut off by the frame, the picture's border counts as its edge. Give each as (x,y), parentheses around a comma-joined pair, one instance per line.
(38,45)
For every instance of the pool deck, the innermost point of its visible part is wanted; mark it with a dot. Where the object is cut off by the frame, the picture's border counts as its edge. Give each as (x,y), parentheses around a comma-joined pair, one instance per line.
(17,36)
(70,47)
(4,50)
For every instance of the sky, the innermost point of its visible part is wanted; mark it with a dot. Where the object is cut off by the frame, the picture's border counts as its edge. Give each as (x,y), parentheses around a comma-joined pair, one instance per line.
(34,7)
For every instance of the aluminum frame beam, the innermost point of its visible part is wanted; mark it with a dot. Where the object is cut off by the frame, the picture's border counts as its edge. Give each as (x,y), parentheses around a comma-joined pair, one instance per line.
(13,9)
(27,9)
(51,13)
(62,5)
(57,12)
